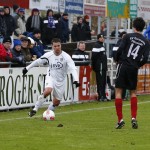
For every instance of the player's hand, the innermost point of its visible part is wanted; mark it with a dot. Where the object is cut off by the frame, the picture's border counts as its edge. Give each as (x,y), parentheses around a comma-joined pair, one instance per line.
(76,83)
(24,71)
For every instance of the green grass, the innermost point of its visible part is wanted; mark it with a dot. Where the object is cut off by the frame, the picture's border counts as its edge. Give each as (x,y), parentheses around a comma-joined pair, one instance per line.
(86,126)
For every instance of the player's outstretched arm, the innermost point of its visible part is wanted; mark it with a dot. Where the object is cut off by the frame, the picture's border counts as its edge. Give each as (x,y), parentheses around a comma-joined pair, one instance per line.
(42,61)
(33,64)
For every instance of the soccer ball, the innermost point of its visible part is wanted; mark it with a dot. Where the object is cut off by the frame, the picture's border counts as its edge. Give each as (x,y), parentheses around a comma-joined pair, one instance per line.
(48,115)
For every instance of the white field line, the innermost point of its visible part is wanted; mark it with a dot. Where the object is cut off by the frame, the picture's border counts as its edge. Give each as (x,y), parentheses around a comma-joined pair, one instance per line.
(68,112)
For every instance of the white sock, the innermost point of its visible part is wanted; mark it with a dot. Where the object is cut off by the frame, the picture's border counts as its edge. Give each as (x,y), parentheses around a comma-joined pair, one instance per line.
(39,103)
(51,107)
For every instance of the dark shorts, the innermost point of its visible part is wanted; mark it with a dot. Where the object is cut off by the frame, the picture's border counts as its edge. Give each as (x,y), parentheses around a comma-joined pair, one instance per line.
(126,77)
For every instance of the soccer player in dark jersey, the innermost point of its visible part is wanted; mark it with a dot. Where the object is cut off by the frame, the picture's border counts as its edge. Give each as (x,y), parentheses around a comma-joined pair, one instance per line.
(131,55)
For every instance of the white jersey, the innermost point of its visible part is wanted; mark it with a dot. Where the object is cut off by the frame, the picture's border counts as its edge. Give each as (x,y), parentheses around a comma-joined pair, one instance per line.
(58,66)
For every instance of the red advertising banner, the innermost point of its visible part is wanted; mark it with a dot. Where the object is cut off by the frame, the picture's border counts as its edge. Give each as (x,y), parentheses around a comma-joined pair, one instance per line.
(84,79)
(94,10)
(87,90)
(10,3)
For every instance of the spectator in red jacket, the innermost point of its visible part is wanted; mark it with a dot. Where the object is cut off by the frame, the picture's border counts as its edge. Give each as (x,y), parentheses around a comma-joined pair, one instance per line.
(5,51)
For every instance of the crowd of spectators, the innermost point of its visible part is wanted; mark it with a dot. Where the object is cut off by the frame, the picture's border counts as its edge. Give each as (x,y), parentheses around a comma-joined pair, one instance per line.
(24,40)
(30,36)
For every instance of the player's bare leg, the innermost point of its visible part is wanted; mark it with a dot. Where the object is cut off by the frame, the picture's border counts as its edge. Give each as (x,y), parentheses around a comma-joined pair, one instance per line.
(53,105)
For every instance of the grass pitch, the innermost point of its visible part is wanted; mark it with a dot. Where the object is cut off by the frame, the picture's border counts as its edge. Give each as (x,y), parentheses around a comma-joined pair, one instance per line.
(86,126)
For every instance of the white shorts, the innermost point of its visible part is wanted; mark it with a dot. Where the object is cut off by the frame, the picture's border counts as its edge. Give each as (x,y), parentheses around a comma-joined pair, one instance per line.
(58,87)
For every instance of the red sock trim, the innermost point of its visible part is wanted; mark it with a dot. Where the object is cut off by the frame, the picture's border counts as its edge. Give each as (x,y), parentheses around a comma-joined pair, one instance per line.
(133,102)
(118,104)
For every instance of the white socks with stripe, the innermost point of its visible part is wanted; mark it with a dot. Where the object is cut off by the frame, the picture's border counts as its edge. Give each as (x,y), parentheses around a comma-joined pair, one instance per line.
(39,103)
(51,107)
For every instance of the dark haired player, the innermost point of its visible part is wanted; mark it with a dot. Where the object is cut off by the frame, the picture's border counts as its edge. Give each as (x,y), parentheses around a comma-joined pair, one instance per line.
(59,63)
(131,55)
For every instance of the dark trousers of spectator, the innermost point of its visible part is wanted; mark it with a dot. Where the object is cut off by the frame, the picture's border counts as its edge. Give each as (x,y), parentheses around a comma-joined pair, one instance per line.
(101,84)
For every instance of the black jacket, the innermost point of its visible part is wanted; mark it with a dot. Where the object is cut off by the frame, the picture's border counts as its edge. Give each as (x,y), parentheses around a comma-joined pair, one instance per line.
(64,31)
(81,56)
(3,27)
(29,22)
(48,33)
(79,32)
(99,58)
(87,30)
(10,24)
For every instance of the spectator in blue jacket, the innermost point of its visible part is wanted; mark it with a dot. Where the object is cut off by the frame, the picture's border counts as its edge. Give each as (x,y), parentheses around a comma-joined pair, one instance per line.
(38,48)
(147,33)
(63,27)
(18,56)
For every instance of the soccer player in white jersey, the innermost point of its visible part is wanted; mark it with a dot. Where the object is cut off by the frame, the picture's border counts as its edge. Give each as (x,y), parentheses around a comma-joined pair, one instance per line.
(59,63)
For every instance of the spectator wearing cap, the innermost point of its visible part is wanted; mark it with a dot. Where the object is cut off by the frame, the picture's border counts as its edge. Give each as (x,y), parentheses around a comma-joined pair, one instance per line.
(18,57)
(88,32)
(25,49)
(5,51)
(79,30)
(3,28)
(34,21)
(20,23)
(49,27)
(15,10)
(99,66)
(63,27)
(38,48)
(10,22)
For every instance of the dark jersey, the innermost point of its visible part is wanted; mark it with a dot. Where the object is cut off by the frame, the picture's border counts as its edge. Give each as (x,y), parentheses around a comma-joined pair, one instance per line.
(133,50)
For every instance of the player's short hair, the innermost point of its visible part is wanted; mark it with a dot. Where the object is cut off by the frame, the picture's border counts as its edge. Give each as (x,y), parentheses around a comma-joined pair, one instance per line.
(56,40)
(139,24)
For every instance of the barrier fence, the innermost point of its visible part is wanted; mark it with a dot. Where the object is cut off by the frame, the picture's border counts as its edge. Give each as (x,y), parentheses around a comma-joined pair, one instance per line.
(17,91)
